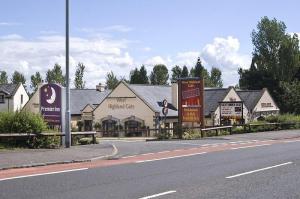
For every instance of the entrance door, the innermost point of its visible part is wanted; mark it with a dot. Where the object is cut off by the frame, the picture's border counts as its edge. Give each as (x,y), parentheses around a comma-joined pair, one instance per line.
(88,125)
(133,128)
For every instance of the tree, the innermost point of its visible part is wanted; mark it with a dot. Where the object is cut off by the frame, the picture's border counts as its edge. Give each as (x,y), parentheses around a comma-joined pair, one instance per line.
(55,75)
(17,78)
(176,72)
(3,77)
(291,96)
(159,75)
(143,75)
(200,71)
(275,60)
(134,76)
(185,72)
(36,79)
(216,77)
(79,83)
(111,80)
(139,76)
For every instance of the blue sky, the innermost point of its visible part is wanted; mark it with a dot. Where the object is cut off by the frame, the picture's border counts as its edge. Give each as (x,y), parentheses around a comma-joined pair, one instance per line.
(120,35)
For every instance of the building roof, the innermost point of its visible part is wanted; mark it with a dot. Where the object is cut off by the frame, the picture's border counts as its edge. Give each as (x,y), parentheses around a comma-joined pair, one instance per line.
(9,89)
(212,97)
(153,94)
(250,97)
(79,98)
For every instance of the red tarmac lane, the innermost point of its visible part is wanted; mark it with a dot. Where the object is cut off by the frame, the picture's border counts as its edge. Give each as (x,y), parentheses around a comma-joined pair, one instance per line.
(143,158)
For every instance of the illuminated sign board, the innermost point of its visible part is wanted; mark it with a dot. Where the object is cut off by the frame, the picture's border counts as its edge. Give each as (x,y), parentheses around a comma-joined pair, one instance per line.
(51,103)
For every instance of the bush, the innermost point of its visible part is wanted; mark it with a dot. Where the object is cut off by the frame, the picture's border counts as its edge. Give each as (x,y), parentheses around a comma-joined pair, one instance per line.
(86,140)
(191,134)
(21,122)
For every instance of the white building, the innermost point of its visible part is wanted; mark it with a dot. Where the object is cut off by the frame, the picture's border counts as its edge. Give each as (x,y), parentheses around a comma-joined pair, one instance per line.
(13,97)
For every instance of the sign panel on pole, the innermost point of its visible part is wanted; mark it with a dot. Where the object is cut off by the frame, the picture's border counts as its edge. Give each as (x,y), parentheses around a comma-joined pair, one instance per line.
(50,103)
(191,100)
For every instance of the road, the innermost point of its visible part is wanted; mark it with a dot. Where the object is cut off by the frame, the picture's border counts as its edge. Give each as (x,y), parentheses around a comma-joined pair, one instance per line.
(220,169)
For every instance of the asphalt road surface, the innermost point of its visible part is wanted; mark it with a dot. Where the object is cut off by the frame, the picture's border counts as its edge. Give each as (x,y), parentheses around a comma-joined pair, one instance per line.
(241,169)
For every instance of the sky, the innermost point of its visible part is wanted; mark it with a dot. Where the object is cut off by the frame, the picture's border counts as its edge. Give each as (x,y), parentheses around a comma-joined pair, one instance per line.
(119,35)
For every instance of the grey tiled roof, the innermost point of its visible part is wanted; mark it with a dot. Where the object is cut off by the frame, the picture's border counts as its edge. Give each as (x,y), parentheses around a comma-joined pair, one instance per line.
(79,98)
(212,97)
(152,94)
(250,97)
(9,89)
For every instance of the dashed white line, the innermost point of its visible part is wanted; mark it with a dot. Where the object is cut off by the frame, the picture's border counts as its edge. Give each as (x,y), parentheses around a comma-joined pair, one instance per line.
(172,157)
(290,141)
(244,147)
(41,174)
(159,194)
(257,170)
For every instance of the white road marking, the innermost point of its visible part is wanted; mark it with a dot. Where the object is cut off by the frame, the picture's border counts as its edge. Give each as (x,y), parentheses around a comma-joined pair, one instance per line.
(244,147)
(254,171)
(131,156)
(41,174)
(164,152)
(159,194)
(290,141)
(179,156)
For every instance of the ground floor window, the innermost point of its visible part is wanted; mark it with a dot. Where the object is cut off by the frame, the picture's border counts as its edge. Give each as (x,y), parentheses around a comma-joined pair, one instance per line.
(109,128)
(133,128)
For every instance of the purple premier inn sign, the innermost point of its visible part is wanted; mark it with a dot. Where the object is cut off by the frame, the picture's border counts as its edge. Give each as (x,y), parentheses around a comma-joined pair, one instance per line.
(50,96)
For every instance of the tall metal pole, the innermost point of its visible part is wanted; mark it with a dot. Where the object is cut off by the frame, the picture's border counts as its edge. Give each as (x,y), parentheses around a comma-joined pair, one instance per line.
(67,121)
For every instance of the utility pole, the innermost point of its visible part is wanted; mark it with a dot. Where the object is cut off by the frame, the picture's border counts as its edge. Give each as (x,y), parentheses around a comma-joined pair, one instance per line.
(67,118)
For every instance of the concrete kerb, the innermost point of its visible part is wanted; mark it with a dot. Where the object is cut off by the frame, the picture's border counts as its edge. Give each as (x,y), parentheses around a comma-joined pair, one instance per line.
(105,157)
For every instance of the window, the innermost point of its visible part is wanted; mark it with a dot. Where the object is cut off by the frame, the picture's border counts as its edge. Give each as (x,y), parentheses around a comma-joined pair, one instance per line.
(2,99)
(21,99)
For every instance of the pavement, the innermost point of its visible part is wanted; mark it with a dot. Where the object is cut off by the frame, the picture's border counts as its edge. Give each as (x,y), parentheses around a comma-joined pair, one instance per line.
(21,158)
(116,148)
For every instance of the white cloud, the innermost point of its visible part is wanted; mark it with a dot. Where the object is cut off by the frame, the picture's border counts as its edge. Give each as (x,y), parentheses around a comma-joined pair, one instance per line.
(11,37)
(9,24)
(100,56)
(224,54)
(117,28)
(156,60)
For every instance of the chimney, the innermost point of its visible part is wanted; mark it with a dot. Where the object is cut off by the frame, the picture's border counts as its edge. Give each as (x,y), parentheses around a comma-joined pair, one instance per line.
(175,94)
(100,87)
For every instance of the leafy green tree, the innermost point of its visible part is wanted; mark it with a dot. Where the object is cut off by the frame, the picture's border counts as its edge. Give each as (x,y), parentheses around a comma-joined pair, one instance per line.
(159,75)
(3,77)
(176,72)
(134,76)
(111,80)
(143,75)
(36,79)
(290,96)
(139,76)
(79,83)
(200,71)
(55,75)
(185,72)
(216,77)
(18,77)
(275,60)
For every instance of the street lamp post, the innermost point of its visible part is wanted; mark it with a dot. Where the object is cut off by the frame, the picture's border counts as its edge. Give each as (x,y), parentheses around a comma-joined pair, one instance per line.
(67,116)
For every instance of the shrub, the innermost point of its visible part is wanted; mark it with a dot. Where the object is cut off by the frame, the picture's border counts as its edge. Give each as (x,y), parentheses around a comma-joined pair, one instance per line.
(191,134)
(21,122)
(86,140)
